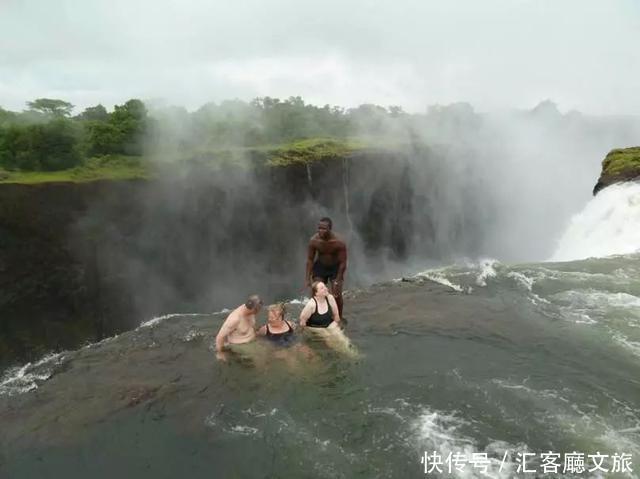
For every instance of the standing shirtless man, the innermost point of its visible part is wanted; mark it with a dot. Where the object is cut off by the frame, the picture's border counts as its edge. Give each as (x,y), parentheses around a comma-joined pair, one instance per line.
(240,325)
(327,260)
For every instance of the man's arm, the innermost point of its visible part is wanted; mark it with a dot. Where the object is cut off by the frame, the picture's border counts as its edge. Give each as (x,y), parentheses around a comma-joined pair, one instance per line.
(334,308)
(311,255)
(229,325)
(342,262)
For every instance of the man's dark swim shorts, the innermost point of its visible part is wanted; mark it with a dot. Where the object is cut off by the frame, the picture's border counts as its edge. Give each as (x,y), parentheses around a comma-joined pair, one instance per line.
(325,272)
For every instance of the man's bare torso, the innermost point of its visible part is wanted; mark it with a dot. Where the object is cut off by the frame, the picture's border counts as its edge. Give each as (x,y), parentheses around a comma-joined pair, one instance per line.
(328,251)
(245,331)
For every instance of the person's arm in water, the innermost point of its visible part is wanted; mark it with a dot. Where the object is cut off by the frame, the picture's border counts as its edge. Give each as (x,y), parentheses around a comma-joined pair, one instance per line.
(311,255)
(262,331)
(306,313)
(229,325)
(334,308)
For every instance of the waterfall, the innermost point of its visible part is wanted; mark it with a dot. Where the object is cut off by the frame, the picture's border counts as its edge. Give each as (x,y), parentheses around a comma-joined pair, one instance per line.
(608,225)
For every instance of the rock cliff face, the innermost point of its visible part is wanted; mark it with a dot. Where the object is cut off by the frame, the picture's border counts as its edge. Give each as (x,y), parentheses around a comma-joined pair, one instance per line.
(49,279)
(619,165)
(82,261)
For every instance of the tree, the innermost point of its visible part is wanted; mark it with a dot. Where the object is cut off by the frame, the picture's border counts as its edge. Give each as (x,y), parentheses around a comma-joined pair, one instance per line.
(131,121)
(50,106)
(12,140)
(369,118)
(102,138)
(94,113)
(396,111)
(132,109)
(6,117)
(58,145)
(49,146)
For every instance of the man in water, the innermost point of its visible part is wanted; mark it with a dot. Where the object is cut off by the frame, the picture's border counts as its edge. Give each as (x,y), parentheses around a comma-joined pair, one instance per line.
(240,325)
(327,260)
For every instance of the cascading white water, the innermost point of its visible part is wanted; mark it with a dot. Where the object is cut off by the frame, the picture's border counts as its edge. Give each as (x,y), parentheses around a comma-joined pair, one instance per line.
(608,225)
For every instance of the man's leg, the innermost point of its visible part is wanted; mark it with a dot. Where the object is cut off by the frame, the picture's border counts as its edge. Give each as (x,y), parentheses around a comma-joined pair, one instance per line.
(336,291)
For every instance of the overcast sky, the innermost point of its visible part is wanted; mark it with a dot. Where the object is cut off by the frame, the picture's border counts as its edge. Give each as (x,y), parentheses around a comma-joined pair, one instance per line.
(495,54)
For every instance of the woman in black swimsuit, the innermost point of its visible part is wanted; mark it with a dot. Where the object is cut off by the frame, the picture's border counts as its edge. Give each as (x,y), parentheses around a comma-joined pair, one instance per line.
(278,329)
(321,310)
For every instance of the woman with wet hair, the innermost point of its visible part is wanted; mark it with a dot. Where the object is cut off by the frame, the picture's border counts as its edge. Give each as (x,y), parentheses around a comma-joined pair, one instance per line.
(277,330)
(321,318)
(321,310)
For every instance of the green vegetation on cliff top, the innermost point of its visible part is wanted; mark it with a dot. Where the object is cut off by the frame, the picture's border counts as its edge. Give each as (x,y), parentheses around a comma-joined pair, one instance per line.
(120,167)
(48,143)
(624,162)
(108,167)
(315,149)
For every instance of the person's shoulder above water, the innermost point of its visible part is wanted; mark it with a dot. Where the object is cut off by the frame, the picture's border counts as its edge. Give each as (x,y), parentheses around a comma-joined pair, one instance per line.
(334,238)
(337,238)
(239,325)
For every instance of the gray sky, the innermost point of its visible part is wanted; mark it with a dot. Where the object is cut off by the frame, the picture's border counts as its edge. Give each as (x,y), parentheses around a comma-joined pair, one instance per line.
(583,54)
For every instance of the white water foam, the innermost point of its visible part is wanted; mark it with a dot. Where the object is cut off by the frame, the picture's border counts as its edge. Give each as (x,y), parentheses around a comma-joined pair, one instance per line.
(157,320)
(28,377)
(192,335)
(438,277)
(244,430)
(463,272)
(632,346)
(301,300)
(608,225)
(441,433)
(583,421)
(601,301)
(591,306)
(522,280)
(487,270)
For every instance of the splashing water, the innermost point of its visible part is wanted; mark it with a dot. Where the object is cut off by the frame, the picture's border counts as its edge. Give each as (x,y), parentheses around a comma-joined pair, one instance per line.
(608,225)
(476,359)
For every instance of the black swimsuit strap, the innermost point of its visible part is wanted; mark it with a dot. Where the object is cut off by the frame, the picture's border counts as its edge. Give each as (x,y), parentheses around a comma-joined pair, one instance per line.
(269,333)
(328,307)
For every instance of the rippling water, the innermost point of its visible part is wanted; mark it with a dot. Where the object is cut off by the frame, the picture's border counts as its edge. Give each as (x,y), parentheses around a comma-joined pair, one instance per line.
(481,357)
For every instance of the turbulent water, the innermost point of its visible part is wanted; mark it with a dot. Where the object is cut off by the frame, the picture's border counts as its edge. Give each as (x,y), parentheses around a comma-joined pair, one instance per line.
(479,358)
(609,224)
(478,369)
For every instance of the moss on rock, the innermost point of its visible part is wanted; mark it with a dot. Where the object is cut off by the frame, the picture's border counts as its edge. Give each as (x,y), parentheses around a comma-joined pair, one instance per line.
(314,149)
(622,164)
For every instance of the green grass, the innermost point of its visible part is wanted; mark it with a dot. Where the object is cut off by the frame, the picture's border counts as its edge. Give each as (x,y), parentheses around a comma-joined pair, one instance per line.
(109,167)
(117,167)
(623,162)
